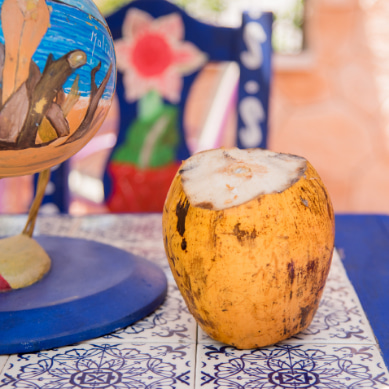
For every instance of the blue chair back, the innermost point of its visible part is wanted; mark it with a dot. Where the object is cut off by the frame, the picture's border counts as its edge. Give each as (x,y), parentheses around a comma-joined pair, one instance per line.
(144,188)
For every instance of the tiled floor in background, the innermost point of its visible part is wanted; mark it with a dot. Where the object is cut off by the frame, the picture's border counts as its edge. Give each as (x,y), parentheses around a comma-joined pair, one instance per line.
(167,350)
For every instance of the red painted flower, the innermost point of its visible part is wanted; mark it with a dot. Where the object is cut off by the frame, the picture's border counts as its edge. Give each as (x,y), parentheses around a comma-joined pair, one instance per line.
(152,55)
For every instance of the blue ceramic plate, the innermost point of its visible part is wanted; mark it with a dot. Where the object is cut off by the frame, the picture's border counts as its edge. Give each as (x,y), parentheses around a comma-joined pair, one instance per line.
(91,290)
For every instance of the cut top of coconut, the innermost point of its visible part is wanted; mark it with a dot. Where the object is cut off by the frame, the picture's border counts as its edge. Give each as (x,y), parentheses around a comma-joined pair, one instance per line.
(223,178)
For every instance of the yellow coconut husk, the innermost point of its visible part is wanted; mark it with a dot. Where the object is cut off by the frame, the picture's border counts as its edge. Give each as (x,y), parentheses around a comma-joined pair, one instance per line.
(251,274)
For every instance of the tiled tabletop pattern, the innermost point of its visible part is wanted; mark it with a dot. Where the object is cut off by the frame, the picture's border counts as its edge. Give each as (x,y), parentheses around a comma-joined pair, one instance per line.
(168,350)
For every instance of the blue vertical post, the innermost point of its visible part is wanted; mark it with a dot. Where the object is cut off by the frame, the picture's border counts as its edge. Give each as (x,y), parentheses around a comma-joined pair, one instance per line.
(254,59)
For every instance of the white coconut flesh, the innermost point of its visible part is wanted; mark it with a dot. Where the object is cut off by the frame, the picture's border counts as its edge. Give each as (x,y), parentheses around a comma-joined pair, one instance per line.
(224,178)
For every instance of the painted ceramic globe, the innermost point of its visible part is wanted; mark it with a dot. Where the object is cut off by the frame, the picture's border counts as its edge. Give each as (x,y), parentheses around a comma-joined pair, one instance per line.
(57,75)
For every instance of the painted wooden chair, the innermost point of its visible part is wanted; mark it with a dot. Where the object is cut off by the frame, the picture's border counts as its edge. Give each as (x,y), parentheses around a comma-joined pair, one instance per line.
(160,51)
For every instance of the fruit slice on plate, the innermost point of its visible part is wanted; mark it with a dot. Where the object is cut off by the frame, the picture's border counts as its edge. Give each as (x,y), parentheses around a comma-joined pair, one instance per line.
(22,262)
(249,235)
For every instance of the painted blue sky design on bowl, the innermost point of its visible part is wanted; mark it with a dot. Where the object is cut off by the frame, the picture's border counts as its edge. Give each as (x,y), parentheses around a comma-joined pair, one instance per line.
(87,6)
(77,25)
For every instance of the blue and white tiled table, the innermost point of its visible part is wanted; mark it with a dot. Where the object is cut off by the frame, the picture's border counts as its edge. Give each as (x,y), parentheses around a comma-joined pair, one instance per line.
(168,350)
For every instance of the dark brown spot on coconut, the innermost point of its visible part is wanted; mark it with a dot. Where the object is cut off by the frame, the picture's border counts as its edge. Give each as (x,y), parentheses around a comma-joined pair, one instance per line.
(311,266)
(228,156)
(187,291)
(203,319)
(197,294)
(238,232)
(169,251)
(304,315)
(181,212)
(205,205)
(243,235)
(291,271)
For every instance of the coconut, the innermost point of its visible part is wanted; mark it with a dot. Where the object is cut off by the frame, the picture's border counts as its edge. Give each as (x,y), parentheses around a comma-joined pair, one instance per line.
(249,236)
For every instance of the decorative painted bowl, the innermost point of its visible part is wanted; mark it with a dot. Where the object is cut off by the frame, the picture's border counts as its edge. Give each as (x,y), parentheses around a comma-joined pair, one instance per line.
(58,75)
